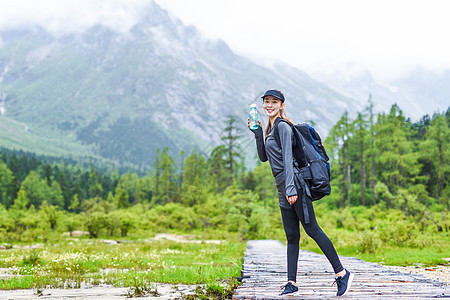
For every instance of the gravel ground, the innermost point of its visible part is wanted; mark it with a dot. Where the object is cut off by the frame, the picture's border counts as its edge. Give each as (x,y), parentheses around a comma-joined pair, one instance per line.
(167,291)
(105,292)
(439,273)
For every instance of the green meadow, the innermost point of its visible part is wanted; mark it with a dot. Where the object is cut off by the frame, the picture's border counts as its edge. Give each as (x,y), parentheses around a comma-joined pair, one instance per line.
(137,264)
(389,204)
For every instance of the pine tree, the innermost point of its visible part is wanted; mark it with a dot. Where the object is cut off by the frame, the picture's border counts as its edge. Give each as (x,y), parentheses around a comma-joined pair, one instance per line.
(36,190)
(6,185)
(233,150)
(121,198)
(21,202)
(74,203)
(265,185)
(217,165)
(95,189)
(182,156)
(398,162)
(144,189)
(338,144)
(194,183)
(55,194)
(360,125)
(164,178)
(435,155)
(371,152)
(129,182)
(51,214)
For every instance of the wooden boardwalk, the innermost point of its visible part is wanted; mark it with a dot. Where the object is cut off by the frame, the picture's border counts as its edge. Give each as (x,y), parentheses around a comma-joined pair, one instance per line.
(264,273)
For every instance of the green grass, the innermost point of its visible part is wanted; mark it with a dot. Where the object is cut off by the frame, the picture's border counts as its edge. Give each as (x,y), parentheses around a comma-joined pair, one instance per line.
(399,256)
(348,243)
(141,262)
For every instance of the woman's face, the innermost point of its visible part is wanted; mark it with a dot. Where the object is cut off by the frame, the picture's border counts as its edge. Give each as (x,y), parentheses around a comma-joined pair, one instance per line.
(272,106)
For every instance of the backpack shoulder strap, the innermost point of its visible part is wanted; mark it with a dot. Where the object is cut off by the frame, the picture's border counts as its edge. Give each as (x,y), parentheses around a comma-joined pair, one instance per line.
(275,133)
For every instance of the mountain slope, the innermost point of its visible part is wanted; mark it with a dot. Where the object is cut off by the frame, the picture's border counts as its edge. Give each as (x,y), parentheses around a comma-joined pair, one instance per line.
(122,95)
(417,93)
(426,88)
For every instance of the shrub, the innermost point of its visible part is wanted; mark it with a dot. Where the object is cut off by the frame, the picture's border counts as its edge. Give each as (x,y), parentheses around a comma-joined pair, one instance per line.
(368,242)
(95,223)
(258,224)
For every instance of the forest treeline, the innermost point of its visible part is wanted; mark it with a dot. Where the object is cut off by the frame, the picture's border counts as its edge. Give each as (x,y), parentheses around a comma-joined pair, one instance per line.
(387,158)
(381,162)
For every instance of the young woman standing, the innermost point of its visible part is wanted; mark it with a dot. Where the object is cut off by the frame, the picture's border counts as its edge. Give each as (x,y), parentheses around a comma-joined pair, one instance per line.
(282,164)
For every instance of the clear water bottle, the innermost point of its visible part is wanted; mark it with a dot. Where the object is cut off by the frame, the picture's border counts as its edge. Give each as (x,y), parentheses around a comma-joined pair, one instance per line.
(253,117)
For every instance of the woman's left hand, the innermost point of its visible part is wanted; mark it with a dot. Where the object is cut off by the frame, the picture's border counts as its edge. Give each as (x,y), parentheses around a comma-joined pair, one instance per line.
(292,199)
(254,130)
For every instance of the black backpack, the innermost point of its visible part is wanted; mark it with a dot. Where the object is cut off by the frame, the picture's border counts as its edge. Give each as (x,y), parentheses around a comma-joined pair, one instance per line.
(310,158)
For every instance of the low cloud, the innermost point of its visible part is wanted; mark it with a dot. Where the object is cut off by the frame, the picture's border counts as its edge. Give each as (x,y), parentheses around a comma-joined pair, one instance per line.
(388,37)
(64,16)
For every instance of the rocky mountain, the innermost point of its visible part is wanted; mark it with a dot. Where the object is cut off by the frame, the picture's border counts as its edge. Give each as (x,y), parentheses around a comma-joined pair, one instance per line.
(119,96)
(425,89)
(417,93)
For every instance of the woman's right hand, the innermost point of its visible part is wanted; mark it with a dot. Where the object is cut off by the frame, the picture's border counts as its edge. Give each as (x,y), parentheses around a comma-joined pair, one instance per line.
(292,199)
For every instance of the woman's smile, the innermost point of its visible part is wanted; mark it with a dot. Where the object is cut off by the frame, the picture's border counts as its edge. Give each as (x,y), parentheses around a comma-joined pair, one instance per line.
(272,106)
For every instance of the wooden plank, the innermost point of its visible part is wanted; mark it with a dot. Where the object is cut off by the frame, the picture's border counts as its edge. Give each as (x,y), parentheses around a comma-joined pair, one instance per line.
(264,272)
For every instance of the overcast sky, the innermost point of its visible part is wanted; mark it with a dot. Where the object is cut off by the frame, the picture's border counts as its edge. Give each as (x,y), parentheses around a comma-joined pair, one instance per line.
(388,37)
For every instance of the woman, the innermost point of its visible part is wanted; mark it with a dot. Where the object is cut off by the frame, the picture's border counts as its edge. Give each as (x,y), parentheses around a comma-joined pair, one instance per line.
(282,164)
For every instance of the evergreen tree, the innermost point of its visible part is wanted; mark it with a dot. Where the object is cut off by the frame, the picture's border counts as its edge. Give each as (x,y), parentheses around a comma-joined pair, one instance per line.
(95,189)
(182,156)
(338,144)
(435,153)
(21,202)
(74,203)
(156,177)
(233,153)
(51,214)
(217,168)
(129,182)
(64,184)
(372,150)
(36,190)
(46,172)
(121,198)
(6,185)
(264,185)
(360,137)
(194,182)
(420,128)
(55,196)
(397,162)
(144,189)
(164,178)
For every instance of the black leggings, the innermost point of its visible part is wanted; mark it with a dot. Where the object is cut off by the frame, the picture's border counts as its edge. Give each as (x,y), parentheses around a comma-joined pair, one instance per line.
(291,218)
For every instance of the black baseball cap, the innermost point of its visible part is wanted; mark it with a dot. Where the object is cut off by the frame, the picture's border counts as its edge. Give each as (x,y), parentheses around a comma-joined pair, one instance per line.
(276,93)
